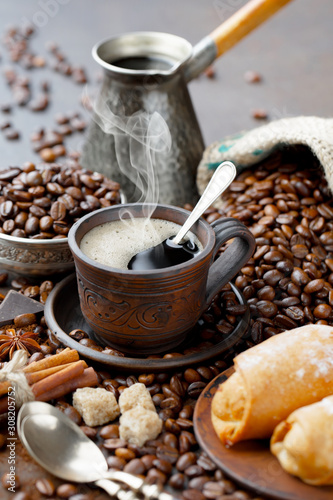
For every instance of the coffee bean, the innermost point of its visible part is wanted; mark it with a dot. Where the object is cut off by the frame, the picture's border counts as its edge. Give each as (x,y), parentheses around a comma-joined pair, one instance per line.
(177,481)
(10,173)
(191,375)
(172,426)
(23,320)
(45,487)
(237,309)
(60,227)
(285,322)
(66,490)
(114,443)
(212,489)
(322,311)
(47,155)
(272,277)
(299,277)
(206,463)
(314,286)
(192,494)
(8,226)
(177,386)
(186,412)
(39,103)
(267,308)
(58,211)
(257,332)
(260,114)
(21,495)
(135,466)
(46,223)
(186,460)
(198,482)
(32,292)
(168,453)
(11,134)
(162,465)
(115,462)
(155,476)
(194,390)
(172,403)
(34,178)
(31,226)
(295,313)
(266,293)
(36,211)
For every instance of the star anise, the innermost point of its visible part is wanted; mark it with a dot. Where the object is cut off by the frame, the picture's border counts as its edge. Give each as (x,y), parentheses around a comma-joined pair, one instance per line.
(13,340)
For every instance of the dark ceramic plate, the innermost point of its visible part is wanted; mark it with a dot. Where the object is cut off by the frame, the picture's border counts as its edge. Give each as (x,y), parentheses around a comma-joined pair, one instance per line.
(250,463)
(63,314)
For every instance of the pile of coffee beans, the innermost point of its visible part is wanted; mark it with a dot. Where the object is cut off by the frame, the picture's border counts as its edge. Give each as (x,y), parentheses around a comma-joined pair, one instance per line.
(43,201)
(174,460)
(288,283)
(288,207)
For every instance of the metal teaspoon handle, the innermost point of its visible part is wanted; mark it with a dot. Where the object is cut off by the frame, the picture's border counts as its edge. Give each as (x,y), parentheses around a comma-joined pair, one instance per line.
(222,178)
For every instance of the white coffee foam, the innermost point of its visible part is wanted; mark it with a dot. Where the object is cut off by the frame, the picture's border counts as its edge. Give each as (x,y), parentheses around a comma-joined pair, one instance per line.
(115,243)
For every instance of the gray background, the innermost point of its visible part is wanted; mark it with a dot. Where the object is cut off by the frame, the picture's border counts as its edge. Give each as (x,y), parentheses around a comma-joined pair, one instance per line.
(293,51)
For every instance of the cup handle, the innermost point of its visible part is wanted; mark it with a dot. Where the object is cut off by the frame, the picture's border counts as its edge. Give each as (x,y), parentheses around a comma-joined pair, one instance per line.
(234,257)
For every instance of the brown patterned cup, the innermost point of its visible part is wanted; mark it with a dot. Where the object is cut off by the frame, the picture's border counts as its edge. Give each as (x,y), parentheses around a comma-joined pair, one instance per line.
(152,311)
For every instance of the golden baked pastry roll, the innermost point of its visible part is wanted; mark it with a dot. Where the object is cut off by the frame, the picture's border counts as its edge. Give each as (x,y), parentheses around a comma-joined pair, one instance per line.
(303,443)
(272,379)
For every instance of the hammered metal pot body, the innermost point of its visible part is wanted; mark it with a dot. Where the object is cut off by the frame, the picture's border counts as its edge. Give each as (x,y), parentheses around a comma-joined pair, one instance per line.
(149,312)
(126,93)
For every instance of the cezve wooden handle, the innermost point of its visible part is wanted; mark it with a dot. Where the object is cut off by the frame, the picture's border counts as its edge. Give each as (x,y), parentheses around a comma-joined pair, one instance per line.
(246,19)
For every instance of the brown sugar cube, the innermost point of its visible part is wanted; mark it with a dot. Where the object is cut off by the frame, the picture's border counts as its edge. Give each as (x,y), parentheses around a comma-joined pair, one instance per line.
(96,406)
(139,425)
(136,395)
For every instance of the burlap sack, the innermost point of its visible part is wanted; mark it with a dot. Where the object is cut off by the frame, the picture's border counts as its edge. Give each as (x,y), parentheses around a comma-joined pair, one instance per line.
(248,148)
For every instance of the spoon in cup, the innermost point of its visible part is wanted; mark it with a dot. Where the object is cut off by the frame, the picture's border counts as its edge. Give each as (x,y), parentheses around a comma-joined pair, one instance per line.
(175,250)
(62,448)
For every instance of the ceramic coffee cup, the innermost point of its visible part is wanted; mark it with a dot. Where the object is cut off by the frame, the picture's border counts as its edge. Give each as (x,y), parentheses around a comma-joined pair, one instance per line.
(152,311)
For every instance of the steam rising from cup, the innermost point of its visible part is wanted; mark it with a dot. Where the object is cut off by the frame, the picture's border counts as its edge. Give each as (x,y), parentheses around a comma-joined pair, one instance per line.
(141,142)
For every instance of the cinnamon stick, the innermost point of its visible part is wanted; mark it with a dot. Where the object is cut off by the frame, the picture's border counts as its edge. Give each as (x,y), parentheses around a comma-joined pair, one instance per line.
(34,377)
(4,388)
(66,356)
(58,379)
(87,379)
(3,404)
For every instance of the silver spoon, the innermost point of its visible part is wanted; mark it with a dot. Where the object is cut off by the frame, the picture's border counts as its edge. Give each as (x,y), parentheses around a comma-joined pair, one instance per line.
(59,445)
(172,251)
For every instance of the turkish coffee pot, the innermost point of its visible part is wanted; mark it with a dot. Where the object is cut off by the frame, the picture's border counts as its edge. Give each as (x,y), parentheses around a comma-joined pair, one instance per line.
(144,133)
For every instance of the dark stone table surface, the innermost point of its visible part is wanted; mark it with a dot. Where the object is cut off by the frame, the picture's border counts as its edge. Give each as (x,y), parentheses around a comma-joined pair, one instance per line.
(293,52)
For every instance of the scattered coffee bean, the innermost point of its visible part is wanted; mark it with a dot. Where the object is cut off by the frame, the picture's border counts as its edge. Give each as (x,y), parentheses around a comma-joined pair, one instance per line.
(45,487)
(11,134)
(252,77)
(260,114)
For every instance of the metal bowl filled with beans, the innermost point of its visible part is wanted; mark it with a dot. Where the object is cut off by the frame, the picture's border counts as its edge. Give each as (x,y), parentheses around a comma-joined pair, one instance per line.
(38,205)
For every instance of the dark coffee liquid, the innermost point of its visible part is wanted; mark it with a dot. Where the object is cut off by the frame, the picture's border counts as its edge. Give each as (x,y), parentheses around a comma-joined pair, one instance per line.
(143,63)
(165,254)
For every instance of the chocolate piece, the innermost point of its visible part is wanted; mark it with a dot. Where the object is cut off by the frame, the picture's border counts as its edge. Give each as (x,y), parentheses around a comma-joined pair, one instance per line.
(15,304)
